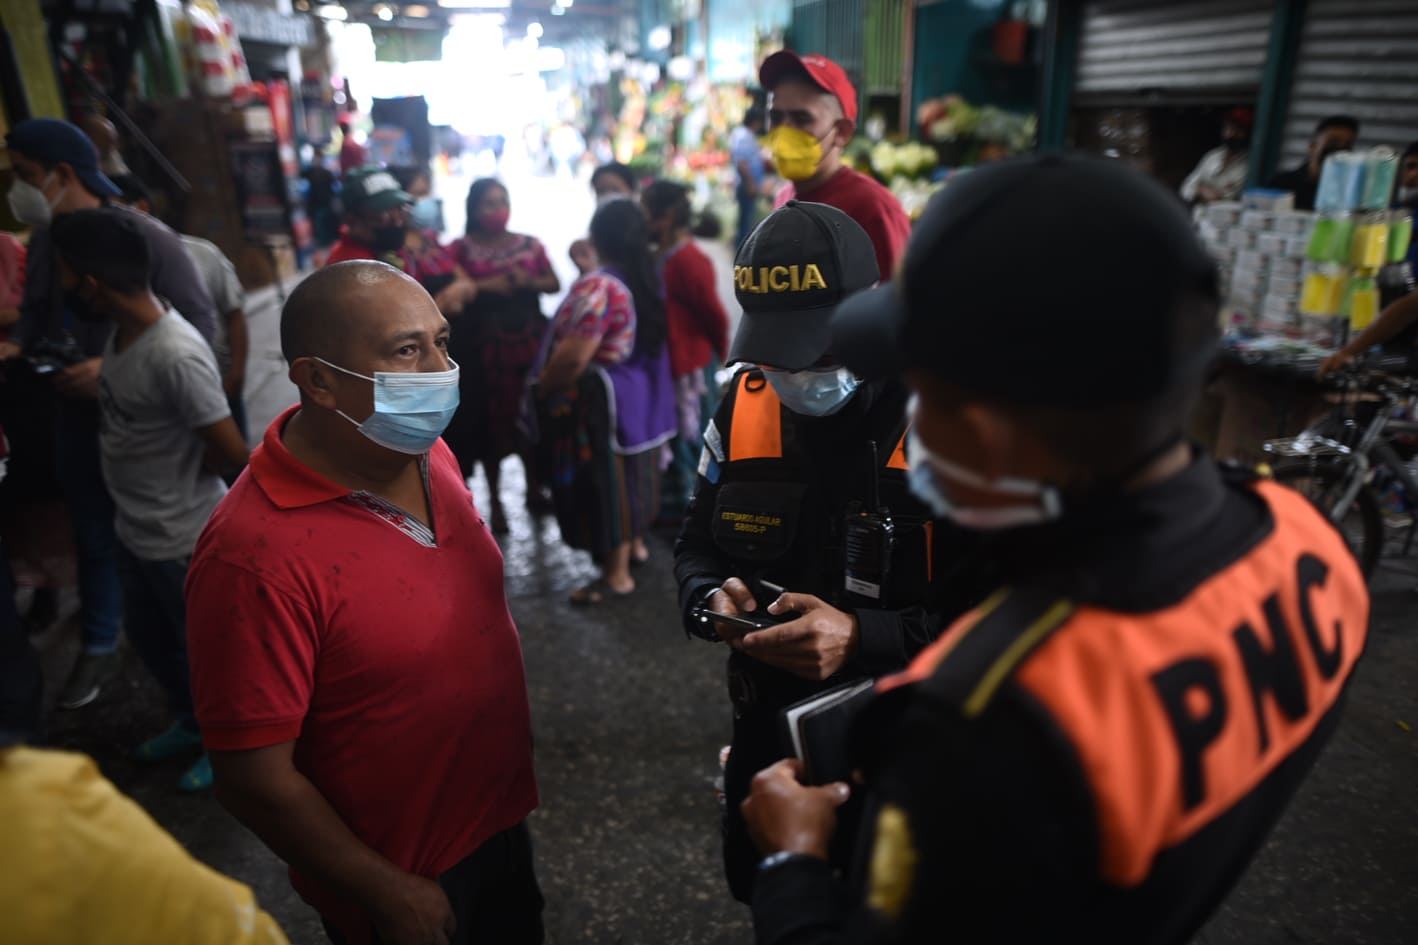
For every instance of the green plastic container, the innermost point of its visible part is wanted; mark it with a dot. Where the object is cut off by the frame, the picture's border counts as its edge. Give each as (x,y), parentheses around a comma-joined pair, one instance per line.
(1330,239)
(1400,236)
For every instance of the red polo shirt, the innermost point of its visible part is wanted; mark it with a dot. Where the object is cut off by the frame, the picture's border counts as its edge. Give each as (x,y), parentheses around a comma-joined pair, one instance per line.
(390,658)
(875,209)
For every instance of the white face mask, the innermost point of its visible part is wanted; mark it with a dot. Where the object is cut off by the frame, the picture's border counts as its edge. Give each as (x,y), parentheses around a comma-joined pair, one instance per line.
(1407,194)
(930,473)
(612,197)
(29,204)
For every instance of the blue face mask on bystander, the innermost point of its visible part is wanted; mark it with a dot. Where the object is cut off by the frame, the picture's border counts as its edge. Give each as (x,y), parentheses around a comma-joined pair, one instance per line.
(425,214)
(411,411)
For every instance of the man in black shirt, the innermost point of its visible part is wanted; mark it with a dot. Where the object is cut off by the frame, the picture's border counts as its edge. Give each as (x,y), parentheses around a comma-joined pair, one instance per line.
(1333,134)
(1097,751)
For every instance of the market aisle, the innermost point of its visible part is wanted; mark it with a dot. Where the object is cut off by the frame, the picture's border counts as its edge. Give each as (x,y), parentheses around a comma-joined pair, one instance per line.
(628,717)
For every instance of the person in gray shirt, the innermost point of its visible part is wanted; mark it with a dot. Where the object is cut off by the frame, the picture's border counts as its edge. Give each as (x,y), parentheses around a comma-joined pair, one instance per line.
(230,342)
(56,172)
(165,436)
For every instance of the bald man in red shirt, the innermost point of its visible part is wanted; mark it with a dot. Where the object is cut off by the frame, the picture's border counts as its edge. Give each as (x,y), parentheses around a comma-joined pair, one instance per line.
(355,668)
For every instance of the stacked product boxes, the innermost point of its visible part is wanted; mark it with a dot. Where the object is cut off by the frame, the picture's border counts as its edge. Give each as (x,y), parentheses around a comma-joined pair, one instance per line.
(1260,246)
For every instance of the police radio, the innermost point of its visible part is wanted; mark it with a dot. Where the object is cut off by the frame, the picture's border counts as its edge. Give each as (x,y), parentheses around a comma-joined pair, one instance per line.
(869,537)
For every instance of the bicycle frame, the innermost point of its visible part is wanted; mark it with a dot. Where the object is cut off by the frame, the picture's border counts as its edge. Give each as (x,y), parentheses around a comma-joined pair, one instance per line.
(1315,446)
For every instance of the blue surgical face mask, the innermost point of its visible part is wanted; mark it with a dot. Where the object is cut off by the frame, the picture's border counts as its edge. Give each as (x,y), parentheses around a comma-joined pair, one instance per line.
(819,392)
(929,473)
(424,214)
(411,411)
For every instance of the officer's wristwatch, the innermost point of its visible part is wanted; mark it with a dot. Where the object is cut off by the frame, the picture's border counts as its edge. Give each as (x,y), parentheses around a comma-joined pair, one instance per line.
(778,859)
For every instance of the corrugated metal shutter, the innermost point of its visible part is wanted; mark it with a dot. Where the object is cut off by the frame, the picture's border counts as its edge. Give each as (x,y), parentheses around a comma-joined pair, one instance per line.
(1360,58)
(885,51)
(832,28)
(808,31)
(846,22)
(1131,46)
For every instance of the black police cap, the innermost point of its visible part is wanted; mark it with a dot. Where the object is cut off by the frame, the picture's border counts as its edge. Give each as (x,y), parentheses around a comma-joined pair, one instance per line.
(1052,279)
(789,275)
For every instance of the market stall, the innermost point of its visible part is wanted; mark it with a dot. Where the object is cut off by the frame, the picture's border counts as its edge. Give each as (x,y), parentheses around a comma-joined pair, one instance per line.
(223,159)
(1297,286)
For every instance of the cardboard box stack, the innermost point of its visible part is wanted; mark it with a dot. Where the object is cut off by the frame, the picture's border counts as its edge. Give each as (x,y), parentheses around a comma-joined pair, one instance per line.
(1259,244)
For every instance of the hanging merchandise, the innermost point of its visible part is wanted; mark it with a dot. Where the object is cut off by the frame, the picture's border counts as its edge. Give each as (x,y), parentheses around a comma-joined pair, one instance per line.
(213,53)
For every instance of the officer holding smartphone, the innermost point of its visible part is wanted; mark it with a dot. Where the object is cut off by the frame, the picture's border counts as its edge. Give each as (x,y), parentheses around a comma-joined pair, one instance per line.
(802,486)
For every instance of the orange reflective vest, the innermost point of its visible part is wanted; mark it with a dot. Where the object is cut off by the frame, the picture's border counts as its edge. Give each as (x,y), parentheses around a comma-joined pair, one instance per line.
(756,425)
(1177,715)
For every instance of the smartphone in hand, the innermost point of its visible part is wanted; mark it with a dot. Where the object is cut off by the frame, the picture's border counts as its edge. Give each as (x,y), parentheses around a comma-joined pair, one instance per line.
(744,624)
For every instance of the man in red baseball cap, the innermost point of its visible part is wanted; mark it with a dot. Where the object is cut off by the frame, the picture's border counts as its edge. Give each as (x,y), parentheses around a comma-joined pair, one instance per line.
(1221,173)
(812,115)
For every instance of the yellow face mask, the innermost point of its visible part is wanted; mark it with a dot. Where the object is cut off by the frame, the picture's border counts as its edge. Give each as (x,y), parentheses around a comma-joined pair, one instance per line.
(796,153)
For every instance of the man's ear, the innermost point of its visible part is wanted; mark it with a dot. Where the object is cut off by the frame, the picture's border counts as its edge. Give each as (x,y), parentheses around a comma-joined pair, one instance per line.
(314,380)
(64,174)
(843,131)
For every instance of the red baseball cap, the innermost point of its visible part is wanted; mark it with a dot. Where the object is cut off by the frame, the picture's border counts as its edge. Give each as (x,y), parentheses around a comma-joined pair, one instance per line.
(823,72)
(1241,116)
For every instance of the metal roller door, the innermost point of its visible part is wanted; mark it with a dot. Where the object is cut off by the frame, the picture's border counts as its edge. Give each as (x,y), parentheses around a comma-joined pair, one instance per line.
(884,49)
(832,28)
(1175,51)
(1360,58)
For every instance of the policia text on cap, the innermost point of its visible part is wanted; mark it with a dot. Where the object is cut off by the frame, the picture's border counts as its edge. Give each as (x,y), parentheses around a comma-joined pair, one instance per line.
(802,485)
(1095,753)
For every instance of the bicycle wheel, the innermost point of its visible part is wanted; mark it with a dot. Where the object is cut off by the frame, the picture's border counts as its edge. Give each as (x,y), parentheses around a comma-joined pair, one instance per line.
(1322,481)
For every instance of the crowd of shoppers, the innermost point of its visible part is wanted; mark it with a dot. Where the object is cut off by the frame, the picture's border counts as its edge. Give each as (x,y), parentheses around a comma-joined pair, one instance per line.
(57,173)
(393,771)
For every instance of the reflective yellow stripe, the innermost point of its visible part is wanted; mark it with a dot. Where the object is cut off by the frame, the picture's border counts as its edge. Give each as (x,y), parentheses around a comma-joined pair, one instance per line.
(1011,657)
(952,636)
(929,659)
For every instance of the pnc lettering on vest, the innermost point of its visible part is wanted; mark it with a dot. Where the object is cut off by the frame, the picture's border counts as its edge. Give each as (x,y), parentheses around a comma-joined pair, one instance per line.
(766,279)
(1194,695)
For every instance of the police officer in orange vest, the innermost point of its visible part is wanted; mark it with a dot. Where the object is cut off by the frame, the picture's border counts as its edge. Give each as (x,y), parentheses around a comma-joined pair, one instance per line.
(802,489)
(1096,752)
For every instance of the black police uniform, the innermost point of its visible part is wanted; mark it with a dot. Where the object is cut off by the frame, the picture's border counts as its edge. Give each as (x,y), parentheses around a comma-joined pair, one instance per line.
(783,519)
(1105,743)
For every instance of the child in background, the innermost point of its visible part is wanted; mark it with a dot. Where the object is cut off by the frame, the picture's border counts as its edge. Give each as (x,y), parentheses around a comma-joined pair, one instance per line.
(699,333)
